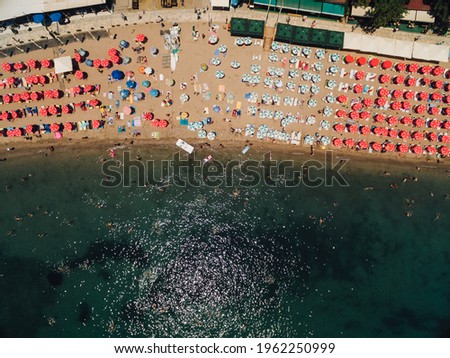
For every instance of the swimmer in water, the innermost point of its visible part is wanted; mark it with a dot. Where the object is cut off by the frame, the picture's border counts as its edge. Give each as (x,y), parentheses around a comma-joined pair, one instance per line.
(409,213)
(437,217)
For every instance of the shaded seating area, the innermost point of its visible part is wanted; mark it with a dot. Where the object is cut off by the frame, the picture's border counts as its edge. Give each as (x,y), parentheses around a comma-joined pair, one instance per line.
(309,36)
(247,28)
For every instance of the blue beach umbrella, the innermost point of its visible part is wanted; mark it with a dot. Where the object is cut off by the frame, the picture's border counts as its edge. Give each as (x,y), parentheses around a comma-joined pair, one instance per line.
(216,109)
(146,83)
(55,16)
(117,75)
(126,60)
(124,93)
(131,84)
(138,96)
(89,62)
(124,44)
(38,18)
(154,93)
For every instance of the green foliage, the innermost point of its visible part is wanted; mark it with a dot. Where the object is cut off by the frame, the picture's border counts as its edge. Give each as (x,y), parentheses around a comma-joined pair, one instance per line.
(440,10)
(384,13)
(360,3)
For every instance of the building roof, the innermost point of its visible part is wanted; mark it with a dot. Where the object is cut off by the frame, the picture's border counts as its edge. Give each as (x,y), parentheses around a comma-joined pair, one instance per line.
(19,8)
(417,5)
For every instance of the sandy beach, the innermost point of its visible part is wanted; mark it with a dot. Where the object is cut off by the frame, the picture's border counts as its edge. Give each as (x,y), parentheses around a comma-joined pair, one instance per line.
(218,98)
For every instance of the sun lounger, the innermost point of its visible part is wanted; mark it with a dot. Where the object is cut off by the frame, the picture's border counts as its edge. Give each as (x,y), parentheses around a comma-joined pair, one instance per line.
(343,72)
(352,74)
(366,89)
(371,76)
(370,91)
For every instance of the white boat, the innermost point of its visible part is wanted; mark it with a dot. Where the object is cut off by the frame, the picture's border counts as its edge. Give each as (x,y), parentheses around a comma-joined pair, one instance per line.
(185,146)
(207,159)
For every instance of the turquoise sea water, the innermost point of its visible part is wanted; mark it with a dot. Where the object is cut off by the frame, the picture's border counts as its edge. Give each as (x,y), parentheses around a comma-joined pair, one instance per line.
(221,262)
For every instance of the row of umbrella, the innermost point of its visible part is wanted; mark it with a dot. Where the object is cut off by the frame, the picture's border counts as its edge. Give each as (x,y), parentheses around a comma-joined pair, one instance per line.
(31,63)
(399,67)
(390,147)
(54,128)
(412,95)
(408,81)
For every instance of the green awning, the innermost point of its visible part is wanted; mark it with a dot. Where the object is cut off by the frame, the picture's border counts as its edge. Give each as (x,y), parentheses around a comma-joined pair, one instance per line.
(336,40)
(318,37)
(311,5)
(245,27)
(301,35)
(284,33)
(333,9)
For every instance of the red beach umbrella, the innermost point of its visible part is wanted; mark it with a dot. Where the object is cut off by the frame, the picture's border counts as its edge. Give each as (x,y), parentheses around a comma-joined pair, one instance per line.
(408,94)
(93,102)
(5,115)
(11,80)
(425,70)
(404,135)
(47,63)
(55,127)
(337,142)
(383,92)
(7,66)
(95,124)
(14,114)
(29,80)
(406,105)
(380,118)
(43,111)
(365,130)
(113,52)
(19,66)
(352,128)
(445,151)
(364,115)
(341,113)
(389,147)
(79,74)
(384,132)
(32,63)
(446,99)
(425,81)
(148,116)
(445,138)
(434,123)
(438,84)
(432,137)
(88,88)
(419,122)
(397,93)
(407,120)
(7,98)
(376,146)
(35,79)
(434,111)
(438,71)
(411,81)
(354,115)
(385,78)
(342,99)
(446,111)
(339,127)
(349,59)
(359,75)
(362,144)
(422,96)
(163,123)
(413,67)
(155,123)
(361,61)
(141,38)
(403,148)
(396,105)
(25,96)
(392,120)
(10,133)
(398,80)
(421,109)
(56,93)
(358,88)
(446,125)
(115,59)
(357,106)
(65,109)
(97,63)
(374,62)
(431,149)
(77,89)
(48,94)
(34,96)
(29,129)
(392,133)
(417,135)
(349,143)
(43,80)
(68,126)
(53,110)
(368,102)
(106,63)
(377,131)
(386,65)
(16,97)
(400,67)
(416,149)
(77,57)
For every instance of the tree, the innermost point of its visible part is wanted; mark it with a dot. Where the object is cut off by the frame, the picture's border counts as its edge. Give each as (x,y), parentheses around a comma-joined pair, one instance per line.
(360,3)
(385,12)
(440,10)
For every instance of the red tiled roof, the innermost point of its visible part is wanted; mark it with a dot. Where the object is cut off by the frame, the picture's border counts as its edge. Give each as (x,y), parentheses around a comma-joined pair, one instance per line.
(417,5)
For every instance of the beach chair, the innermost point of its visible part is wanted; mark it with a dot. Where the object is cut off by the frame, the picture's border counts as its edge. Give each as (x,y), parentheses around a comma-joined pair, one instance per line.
(221,88)
(352,74)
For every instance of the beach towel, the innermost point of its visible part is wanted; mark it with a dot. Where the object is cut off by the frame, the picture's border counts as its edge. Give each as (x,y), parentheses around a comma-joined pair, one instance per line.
(216,52)
(184,122)
(205,87)
(238,105)
(155,135)
(137,123)
(161,77)
(221,88)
